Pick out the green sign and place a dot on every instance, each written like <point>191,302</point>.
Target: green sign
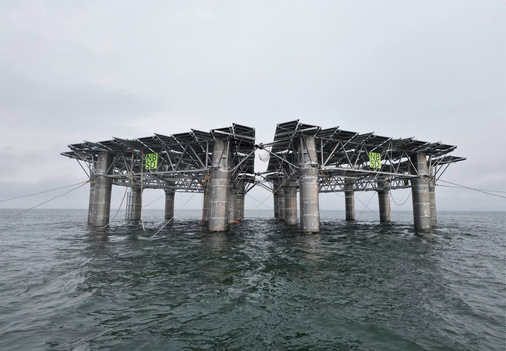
<point>374,160</point>
<point>151,161</point>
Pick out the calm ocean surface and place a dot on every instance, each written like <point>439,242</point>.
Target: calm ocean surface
<point>354,286</point>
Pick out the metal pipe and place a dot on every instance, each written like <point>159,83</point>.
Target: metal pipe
<point>366,171</point>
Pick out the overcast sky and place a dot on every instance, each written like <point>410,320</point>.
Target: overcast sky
<point>74,71</point>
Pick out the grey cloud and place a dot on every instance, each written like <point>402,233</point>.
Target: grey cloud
<point>80,105</point>
<point>432,70</point>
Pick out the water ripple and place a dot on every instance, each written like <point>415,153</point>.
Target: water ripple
<point>262,286</point>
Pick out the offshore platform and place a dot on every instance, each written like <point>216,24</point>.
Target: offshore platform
<point>303,158</point>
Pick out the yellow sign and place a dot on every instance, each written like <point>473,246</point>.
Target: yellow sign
<point>374,160</point>
<point>151,161</point>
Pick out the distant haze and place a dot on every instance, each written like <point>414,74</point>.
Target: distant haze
<point>74,71</point>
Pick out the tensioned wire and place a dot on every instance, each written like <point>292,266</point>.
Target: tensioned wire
<point>41,192</point>
<point>488,192</point>
<point>79,185</point>
<point>131,178</point>
<point>250,211</point>
<point>356,197</point>
<point>45,202</point>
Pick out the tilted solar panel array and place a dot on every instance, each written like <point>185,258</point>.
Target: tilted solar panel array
<point>343,153</point>
<point>183,159</point>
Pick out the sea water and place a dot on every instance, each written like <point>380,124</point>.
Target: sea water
<point>260,286</point>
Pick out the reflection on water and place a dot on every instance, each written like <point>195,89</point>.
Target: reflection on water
<point>354,286</point>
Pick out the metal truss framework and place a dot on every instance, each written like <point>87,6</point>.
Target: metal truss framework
<point>183,161</point>
<point>344,155</point>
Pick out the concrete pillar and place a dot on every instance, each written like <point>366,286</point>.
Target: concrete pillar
<point>384,201</point>
<point>281,203</point>
<point>239,201</point>
<point>207,203</point>
<point>275,196</point>
<point>242,196</point>
<point>420,193</point>
<point>219,186</point>
<point>134,204</point>
<point>432,198</point>
<point>349,198</point>
<point>90,201</point>
<point>308,185</point>
<point>232,201</point>
<point>169,203</point>
<point>100,192</point>
<point>291,204</point>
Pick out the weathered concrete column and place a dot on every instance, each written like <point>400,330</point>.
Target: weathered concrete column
<point>420,193</point>
<point>207,204</point>
<point>291,204</point>
<point>100,192</point>
<point>219,186</point>
<point>90,201</point>
<point>239,201</point>
<point>241,197</point>
<point>349,199</point>
<point>232,201</point>
<point>384,201</point>
<point>169,203</point>
<point>281,203</point>
<point>134,204</point>
<point>432,198</point>
<point>275,197</point>
<point>308,186</point>
<point>275,205</point>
